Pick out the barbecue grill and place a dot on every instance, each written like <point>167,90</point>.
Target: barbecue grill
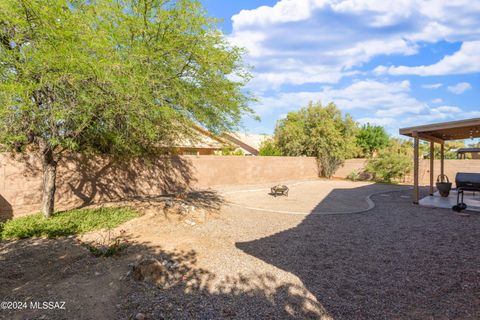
<point>465,182</point>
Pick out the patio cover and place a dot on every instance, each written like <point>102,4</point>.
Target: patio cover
<point>438,133</point>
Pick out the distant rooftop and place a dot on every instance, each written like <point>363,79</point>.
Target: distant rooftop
<point>252,139</point>
<point>468,150</point>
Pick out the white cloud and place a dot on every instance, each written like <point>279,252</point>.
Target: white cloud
<point>282,12</point>
<point>322,41</point>
<point>447,109</point>
<point>389,104</point>
<point>370,95</point>
<point>437,100</point>
<point>432,86</point>
<point>459,88</point>
<point>465,60</point>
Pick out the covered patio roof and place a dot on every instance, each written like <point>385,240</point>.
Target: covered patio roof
<point>438,133</point>
<point>454,130</point>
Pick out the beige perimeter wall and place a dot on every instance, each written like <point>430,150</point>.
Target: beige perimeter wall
<point>85,180</point>
<point>451,169</point>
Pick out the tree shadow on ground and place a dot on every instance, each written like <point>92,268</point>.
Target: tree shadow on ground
<point>100,288</point>
<point>189,292</point>
<point>205,199</point>
<point>397,260</point>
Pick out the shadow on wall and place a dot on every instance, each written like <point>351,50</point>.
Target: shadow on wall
<point>396,261</point>
<point>6,210</point>
<point>88,180</point>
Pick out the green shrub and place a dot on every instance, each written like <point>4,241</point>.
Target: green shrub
<point>108,245</point>
<point>65,223</point>
<point>354,175</point>
<point>231,151</point>
<point>389,167</point>
<point>268,148</point>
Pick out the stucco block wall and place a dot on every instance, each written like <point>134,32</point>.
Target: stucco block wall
<point>228,170</point>
<point>85,180</point>
<point>350,166</point>
<point>451,169</point>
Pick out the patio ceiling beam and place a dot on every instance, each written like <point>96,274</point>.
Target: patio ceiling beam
<point>425,136</point>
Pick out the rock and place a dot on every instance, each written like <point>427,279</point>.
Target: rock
<point>190,222</point>
<point>182,210</point>
<point>153,271</point>
<point>201,215</point>
<point>140,316</point>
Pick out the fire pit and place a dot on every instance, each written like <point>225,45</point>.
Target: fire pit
<point>279,190</point>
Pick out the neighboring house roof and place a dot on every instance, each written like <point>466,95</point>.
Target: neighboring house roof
<point>204,140</point>
<point>468,150</point>
<point>249,142</point>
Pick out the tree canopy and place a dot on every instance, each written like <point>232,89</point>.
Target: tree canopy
<point>117,77</point>
<point>318,131</point>
<point>269,148</point>
<point>372,139</point>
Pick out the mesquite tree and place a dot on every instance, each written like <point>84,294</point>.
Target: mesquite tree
<point>112,77</point>
<point>318,131</point>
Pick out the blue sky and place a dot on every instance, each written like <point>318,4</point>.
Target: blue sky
<point>393,63</point>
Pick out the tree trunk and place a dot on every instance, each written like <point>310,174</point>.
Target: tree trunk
<point>49,177</point>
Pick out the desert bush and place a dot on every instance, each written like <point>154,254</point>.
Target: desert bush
<point>389,167</point>
<point>354,175</point>
<point>108,244</point>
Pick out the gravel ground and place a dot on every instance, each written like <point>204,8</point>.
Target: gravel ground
<point>395,261</point>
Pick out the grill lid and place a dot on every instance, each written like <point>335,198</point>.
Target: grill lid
<point>468,180</point>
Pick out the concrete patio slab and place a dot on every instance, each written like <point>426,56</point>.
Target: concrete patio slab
<point>471,199</point>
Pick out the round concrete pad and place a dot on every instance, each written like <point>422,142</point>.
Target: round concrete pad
<point>307,197</point>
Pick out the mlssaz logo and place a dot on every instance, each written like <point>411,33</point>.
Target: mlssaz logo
<point>47,305</point>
